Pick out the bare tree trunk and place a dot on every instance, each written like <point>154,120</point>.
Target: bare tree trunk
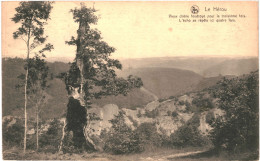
<point>25,112</point>
<point>63,135</point>
<point>25,92</point>
<point>37,127</point>
<point>85,132</point>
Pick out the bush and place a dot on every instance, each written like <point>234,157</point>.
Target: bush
<point>152,114</point>
<point>181,102</point>
<point>210,117</point>
<point>149,135</point>
<point>133,108</point>
<point>188,105</point>
<point>195,120</point>
<point>174,114</point>
<point>187,135</point>
<point>203,103</point>
<point>162,99</point>
<point>49,141</point>
<point>191,108</point>
<point>13,133</point>
<point>121,139</point>
<point>171,97</point>
<point>139,114</point>
<point>68,144</point>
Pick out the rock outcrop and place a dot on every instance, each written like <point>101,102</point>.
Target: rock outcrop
<point>168,116</point>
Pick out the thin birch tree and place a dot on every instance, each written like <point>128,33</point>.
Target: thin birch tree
<point>32,16</point>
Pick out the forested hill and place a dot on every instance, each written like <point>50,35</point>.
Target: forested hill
<point>162,82</point>
<point>205,66</point>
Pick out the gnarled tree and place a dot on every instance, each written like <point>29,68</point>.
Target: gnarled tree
<point>91,75</point>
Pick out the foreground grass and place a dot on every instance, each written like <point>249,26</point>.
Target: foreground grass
<point>152,154</point>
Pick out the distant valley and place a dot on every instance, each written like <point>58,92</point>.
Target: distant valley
<point>162,78</point>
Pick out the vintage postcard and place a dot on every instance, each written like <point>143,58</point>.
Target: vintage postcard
<point>136,80</point>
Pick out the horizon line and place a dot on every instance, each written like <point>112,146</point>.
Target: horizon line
<point>68,59</point>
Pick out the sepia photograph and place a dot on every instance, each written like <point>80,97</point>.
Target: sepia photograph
<point>130,80</point>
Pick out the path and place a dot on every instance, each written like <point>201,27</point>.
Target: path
<point>152,158</point>
<point>170,157</point>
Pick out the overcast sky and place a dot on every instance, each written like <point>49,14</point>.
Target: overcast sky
<point>144,29</point>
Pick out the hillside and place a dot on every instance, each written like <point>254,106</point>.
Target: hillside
<point>232,67</point>
<point>159,82</point>
<point>165,82</point>
<point>56,106</point>
<point>205,66</point>
<point>178,121</point>
<point>209,82</point>
<point>11,97</point>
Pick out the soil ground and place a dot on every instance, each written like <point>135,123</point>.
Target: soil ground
<point>156,154</point>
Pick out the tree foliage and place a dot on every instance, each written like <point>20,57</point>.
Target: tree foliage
<point>37,75</point>
<point>32,16</point>
<point>237,130</point>
<point>92,63</point>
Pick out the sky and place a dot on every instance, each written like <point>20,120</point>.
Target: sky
<point>144,29</point>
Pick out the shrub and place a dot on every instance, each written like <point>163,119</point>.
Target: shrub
<point>162,99</point>
<point>195,120</point>
<point>210,117</point>
<point>121,139</point>
<point>68,144</point>
<point>139,114</point>
<point>174,114</point>
<point>152,114</point>
<point>203,103</point>
<point>13,134</point>
<point>149,135</point>
<point>191,108</point>
<point>171,97</point>
<point>188,105</point>
<point>187,135</point>
<point>181,102</point>
<point>133,108</point>
<point>49,141</point>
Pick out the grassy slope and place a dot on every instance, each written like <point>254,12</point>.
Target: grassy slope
<point>165,82</point>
